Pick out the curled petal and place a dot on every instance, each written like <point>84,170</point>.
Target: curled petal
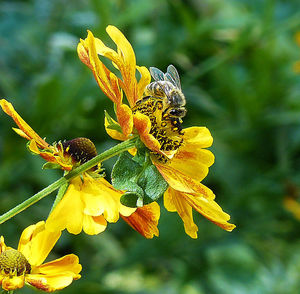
<point>50,283</point>
<point>143,125</point>
<point>101,198</point>
<point>126,211</point>
<point>67,263</point>
<point>24,127</point>
<point>174,203</point>
<point>22,134</point>
<point>145,220</point>
<point>12,283</point>
<point>94,225</point>
<point>126,62</point>
<point>123,60</point>
<point>183,204</point>
<point>211,210</point>
<point>83,53</point>
<point>2,244</point>
<point>107,81</point>
<point>197,137</point>
<point>125,118</point>
<point>36,242</point>
<point>115,134</point>
<point>64,162</point>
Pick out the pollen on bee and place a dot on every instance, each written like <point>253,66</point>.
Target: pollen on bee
<point>165,129</point>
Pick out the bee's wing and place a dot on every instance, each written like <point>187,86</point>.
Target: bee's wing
<point>173,76</point>
<point>157,74</point>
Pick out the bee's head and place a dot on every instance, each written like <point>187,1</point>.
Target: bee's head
<point>176,98</point>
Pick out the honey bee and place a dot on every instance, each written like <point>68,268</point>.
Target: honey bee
<point>167,87</point>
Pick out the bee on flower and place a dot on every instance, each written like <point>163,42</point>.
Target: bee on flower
<point>154,114</point>
<point>24,265</point>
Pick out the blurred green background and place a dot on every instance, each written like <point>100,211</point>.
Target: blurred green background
<point>235,59</point>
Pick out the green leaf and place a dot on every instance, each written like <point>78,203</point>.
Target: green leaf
<point>132,199</point>
<point>111,123</point>
<point>140,178</point>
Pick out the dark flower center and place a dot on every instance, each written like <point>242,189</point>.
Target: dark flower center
<point>13,262</point>
<point>80,149</point>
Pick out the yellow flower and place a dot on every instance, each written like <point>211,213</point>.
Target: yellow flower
<point>25,265</point>
<point>124,60</point>
<point>90,201</point>
<point>179,155</point>
<point>87,205</point>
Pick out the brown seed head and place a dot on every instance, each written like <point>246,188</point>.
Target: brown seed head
<point>14,262</point>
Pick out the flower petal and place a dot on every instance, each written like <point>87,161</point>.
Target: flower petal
<point>68,214</point>
<point>125,118</point>
<point>93,225</point>
<point>197,136</point>
<point>100,197</point>
<point>192,163</point>
<point>173,201</point>
<point>2,244</point>
<point>145,220</point>
<point>21,133</point>
<point>12,283</point>
<point>36,242</point>
<point>67,263</point>
<point>143,125</point>
<point>24,127</point>
<point>183,204</point>
<point>50,283</point>
<point>114,133</point>
<point>88,51</point>
<point>126,211</point>
<point>126,63</point>
<point>144,80</point>
<point>178,180</point>
<point>210,209</point>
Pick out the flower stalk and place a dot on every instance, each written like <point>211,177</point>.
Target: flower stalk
<point>124,146</point>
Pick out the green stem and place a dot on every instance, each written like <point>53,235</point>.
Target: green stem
<point>60,194</point>
<point>64,180</point>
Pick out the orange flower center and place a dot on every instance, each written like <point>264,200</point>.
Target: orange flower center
<point>166,129</point>
<point>13,262</point>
